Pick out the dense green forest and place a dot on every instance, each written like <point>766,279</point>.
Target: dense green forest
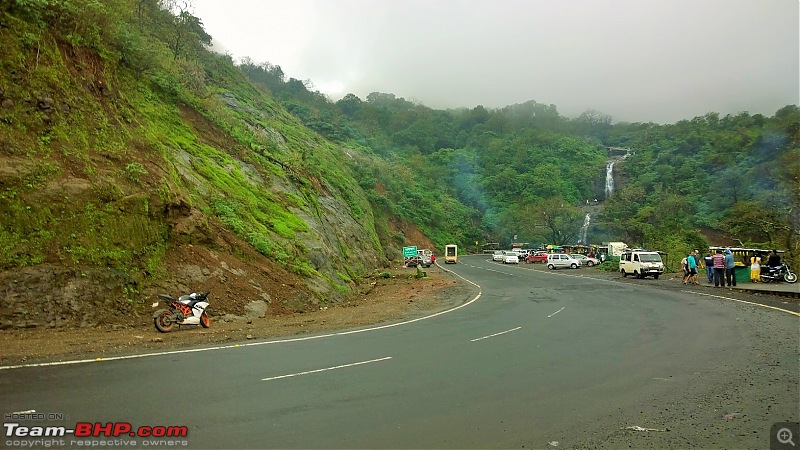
<point>105,90</point>
<point>526,171</point>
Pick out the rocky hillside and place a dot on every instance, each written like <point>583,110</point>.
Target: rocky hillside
<point>131,164</point>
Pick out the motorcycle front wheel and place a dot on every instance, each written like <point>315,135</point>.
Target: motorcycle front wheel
<point>204,322</point>
<point>163,321</point>
<point>790,277</point>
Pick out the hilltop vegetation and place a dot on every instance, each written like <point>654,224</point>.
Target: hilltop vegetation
<point>132,157</point>
<point>526,171</point>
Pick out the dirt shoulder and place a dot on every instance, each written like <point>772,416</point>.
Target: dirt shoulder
<point>379,300</point>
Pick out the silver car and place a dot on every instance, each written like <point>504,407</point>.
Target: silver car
<point>585,260</point>
<point>499,256</point>
<point>425,257</point>
<point>561,260</point>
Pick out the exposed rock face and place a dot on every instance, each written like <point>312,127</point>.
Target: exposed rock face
<point>54,296</point>
<point>336,239</point>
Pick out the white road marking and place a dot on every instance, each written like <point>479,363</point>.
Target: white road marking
<point>496,334</point>
<point>253,344</point>
<point>326,369</point>
<point>749,303</point>
<point>551,315</point>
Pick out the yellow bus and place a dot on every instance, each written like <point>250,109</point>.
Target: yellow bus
<point>450,253</point>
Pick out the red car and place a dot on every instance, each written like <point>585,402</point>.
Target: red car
<point>540,257</point>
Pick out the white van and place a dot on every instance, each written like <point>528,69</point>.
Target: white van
<point>641,264</point>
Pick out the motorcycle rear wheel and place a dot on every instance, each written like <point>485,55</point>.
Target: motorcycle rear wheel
<point>765,279</point>
<point>204,321</point>
<point>164,322</point>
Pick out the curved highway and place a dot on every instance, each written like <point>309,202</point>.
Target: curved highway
<point>538,359</point>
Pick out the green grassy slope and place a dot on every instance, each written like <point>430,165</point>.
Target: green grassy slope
<point>109,140</point>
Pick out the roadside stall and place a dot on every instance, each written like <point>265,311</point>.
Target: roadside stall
<point>742,257</point>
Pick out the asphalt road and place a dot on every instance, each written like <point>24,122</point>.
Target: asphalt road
<point>536,359</point>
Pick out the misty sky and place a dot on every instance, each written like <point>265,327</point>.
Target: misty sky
<point>637,60</point>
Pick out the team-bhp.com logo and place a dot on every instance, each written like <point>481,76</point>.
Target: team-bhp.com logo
<point>97,429</point>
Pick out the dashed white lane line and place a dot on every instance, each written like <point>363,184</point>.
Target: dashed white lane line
<point>551,315</point>
<point>325,369</point>
<point>496,334</point>
<point>749,303</point>
<point>253,344</point>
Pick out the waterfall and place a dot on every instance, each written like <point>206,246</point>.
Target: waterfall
<point>584,229</point>
<point>610,178</point>
<point>610,175</point>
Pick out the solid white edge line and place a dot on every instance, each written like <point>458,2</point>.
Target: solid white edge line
<point>749,303</point>
<point>496,334</point>
<point>551,315</point>
<point>253,344</point>
<point>325,369</point>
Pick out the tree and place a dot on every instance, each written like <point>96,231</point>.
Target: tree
<point>187,30</point>
<point>475,116</point>
<point>558,222</point>
<point>350,105</point>
<point>753,224</point>
<point>594,123</point>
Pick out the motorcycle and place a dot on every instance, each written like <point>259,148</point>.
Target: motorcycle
<point>778,273</point>
<point>187,309</point>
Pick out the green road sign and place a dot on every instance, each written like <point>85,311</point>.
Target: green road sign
<point>408,252</point>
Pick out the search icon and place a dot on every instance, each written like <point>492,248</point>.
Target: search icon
<point>785,436</point>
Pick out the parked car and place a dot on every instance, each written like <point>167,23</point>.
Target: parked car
<point>498,255</point>
<point>511,258</point>
<point>426,257</point>
<point>559,260</point>
<point>537,257</point>
<point>585,260</point>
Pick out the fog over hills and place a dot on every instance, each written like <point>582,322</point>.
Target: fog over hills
<point>659,61</point>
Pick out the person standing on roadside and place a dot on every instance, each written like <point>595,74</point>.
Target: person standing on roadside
<point>691,263</point>
<point>718,262</point>
<point>730,265</point>
<point>755,268</point>
<point>700,264</point>
<point>709,262</point>
<point>685,268</point>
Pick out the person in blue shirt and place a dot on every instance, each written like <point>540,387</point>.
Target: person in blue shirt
<point>691,263</point>
<point>730,273</point>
